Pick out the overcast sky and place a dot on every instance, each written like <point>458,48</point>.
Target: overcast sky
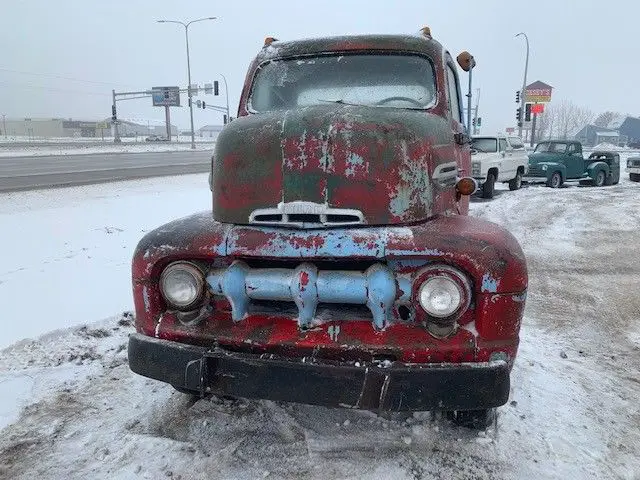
<point>587,50</point>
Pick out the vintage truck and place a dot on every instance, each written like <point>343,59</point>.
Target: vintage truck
<point>633,168</point>
<point>556,162</point>
<point>499,158</point>
<point>338,265</point>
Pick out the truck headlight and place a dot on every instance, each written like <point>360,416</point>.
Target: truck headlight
<point>181,285</point>
<point>445,293</point>
<point>475,168</point>
<point>544,168</point>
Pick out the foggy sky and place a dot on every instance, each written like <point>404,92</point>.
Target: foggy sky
<point>587,50</point>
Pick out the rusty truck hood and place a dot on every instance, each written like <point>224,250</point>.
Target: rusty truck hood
<point>344,162</point>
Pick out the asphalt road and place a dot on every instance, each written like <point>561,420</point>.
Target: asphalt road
<point>26,173</point>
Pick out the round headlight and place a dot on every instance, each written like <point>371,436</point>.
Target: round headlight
<point>181,284</point>
<point>440,296</point>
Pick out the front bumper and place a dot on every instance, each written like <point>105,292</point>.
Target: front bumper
<point>635,170</point>
<point>397,387</point>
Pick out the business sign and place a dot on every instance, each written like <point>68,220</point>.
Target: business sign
<point>537,108</point>
<point>165,96</point>
<point>103,125</point>
<point>538,92</point>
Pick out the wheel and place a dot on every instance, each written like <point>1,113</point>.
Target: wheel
<point>609,180</point>
<point>555,181</point>
<point>516,183</point>
<point>634,177</point>
<point>601,177</point>
<point>476,419</point>
<point>488,186</point>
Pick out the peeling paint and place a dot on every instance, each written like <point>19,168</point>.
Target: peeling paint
<point>489,284</point>
<point>145,298</point>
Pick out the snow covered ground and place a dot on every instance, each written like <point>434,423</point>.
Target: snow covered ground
<point>70,408</point>
<point>37,150</point>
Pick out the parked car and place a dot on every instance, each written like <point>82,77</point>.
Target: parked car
<point>633,168</point>
<point>338,265</point>
<point>498,159</point>
<point>156,138</point>
<point>556,162</point>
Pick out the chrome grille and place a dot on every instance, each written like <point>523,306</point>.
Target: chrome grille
<point>306,215</point>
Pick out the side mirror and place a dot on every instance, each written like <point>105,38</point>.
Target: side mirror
<point>466,61</point>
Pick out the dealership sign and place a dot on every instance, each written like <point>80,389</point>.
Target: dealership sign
<point>538,92</point>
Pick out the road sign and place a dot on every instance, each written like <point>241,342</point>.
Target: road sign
<point>194,89</point>
<point>538,92</point>
<point>208,88</point>
<point>165,96</point>
<point>102,125</point>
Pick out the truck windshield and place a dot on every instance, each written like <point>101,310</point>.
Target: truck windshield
<point>484,145</point>
<point>551,147</point>
<point>400,81</point>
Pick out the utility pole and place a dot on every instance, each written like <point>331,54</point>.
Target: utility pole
<point>226,94</point>
<point>114,119</point>
<point>524,83</point>
<point>189,90</point>
<point>475,124</point>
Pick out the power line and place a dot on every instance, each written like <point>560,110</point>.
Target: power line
<point>52,89</point>
<point>61,77</point>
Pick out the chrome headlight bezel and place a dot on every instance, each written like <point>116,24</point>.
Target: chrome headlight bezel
<point>192,275</point>
<point>443,277</point>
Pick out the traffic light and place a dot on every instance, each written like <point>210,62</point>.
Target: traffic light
<point>527,112</point>
<point>216,87</point>
<point>518,96</point>
<point>114,117</point>
<point>479,121</point>
<point>473,122</point>
<point>204,105</point>
<point>225,120</point>
<point>189,102</point>
<point>519,115</point>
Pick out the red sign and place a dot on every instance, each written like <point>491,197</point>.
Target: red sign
<point>537,108</point>
<point>511,130</point>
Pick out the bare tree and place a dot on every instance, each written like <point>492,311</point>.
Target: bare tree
<point>605,118</point>
<point>566,118</point>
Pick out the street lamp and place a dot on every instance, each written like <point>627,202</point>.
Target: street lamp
<point>226,94</point>
<point>524,84</point>
<point>186,35</point>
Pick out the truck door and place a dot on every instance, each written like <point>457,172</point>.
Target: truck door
<point>462,153</point>
<point>574,161</point>
<point>507,170</point>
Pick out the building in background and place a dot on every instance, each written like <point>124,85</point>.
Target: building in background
<point>66,128</point>
<point>621,130</point>
<point>210,131</point>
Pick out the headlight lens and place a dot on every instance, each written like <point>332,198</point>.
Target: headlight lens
<point>544,168</point>
<point>181,284</point>
<point>440,296</point>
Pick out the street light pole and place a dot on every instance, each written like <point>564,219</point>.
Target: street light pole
<point>226,94</point>
<point>524,85</point>
<point>189,91</point>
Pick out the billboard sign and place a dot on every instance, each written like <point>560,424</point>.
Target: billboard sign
<point>538,92</point>
<point>165,96</point>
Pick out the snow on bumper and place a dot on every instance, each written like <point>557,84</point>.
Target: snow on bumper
<point>392,387</point>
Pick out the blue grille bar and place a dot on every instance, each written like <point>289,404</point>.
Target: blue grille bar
<point>306,286</point>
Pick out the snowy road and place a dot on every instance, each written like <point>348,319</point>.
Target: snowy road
<point>20,173</point>
<point>73,410</point>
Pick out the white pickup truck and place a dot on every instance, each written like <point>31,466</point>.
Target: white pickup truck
<point>499,158</point>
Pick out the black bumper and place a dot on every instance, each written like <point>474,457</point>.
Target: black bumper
<point>400,387</point>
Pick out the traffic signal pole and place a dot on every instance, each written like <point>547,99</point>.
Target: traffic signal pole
<point>114,119</point>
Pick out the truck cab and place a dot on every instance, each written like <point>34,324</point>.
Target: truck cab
<point>499,158</point>
<point>337,265</point>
